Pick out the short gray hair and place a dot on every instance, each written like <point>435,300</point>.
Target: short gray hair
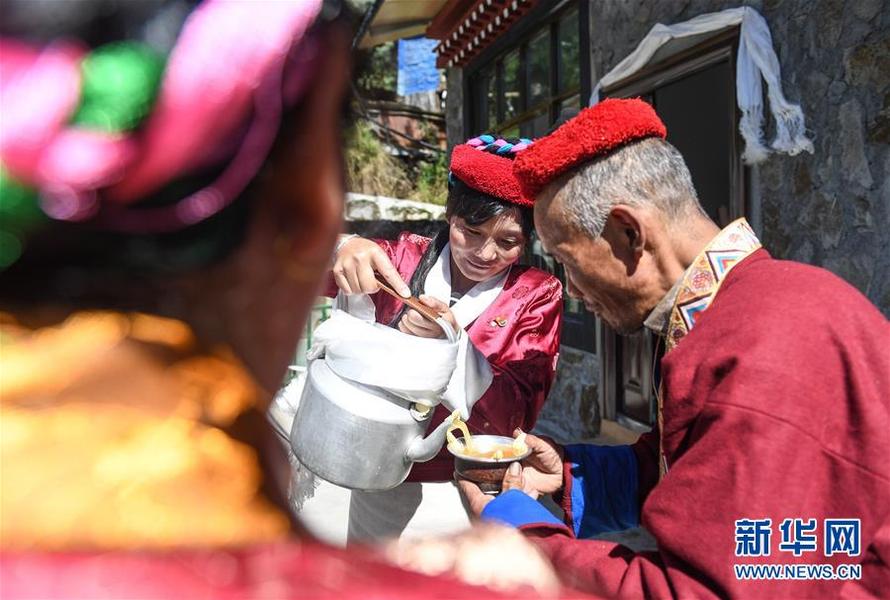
<point>646,173</point>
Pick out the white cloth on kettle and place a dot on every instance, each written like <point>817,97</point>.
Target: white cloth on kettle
<point>416,509</point>
<point>472,373</point>
<point>375,355</point>
<point>439,507</point>
<point>359,349</point>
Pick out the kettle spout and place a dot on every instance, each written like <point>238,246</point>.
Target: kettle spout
<point>423,449</point>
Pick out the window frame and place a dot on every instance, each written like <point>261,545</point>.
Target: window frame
<point>545,16</point>
<point>581,330</point>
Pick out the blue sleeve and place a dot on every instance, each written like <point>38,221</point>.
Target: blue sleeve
<point>602,489</point>
<point>517,509</point>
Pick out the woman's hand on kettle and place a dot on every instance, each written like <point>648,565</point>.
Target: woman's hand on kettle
<point>414,323</point>
<point>356,263</point>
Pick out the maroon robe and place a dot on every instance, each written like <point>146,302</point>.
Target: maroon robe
<point>289,571</point>
<point>522,353</point>
<point>776,405</point>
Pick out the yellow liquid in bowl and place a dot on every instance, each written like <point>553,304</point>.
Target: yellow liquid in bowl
<point>464,446</point>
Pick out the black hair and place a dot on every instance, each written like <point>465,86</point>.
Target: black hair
<point>475,208</point>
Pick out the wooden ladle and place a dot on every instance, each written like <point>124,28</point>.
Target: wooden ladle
<point>410,301</point>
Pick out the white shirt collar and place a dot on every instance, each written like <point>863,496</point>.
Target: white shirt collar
<point>474,302</point>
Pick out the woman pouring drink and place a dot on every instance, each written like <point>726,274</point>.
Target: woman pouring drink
<point>468,274</point>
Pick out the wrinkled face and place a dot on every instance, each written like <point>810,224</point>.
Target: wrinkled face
<point>600,272</point>
<point>482,251</point>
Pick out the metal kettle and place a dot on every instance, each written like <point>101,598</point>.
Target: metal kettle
<point>366,407</point>
<point>358,436</point>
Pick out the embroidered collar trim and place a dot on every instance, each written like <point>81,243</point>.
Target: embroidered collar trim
<point>703,278</point>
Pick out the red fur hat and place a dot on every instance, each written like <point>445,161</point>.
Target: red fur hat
<point>594,132</point>
<point>487,173</point>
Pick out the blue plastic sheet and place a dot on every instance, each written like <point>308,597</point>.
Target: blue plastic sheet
<point>417,66</point>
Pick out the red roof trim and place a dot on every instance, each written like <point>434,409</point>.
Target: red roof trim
<point>463,27</point>
<point>449,17</point>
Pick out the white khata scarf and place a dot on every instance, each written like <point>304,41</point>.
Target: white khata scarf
<point>756,59</point>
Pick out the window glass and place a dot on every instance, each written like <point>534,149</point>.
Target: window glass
<point>480,96</point>
<point>572,102</point>
<point>525,129</point>
<point>517,90</point>
<point>511,132</point>
<point>540,123</point>
<point>537,124</point>
<point>491,99</point>
<point>569,63</point>
<point>511,85</point>
<point>539,68</point>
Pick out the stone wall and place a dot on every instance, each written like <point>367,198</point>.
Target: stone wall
<point>385,218</point>
<point>572,412</point>
<point>830,208</point>
<point>364,207</point>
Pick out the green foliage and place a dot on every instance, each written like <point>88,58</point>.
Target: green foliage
<point>376,70</point>
<point>432,181</point>
<point>370,169</point>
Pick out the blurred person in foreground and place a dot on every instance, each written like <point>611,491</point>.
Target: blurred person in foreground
<point>774,399</point>
<point>169,213</point>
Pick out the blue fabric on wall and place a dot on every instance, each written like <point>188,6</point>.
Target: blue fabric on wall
<point>604,491</point>
<point>516,508</point>
<point>417,70</point>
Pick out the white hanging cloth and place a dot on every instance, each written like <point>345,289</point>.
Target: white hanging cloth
<point>472,374</point>
<point>756,59</point>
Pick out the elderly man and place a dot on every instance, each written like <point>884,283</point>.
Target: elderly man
<point>774,417</point>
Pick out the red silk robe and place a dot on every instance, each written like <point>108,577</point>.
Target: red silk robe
<point>522,351</point>
<point>776,405</point>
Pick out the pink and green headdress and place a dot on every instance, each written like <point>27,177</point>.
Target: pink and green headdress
<point>86,135</point>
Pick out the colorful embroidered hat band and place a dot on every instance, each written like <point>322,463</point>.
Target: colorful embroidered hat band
<point>485,163</point>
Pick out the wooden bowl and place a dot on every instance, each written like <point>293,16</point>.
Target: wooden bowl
<point>487,473</point>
